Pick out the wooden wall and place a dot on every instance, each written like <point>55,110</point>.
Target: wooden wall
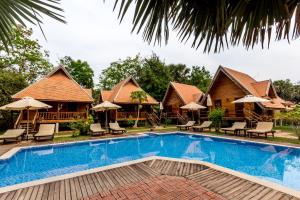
<point>172,101</point>
<point>226,90</point>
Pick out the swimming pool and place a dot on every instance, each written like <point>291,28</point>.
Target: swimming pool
<point>278,164</point>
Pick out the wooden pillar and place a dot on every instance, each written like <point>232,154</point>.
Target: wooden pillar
<point>56,127</point>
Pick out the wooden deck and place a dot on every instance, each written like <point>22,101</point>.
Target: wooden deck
<point>103,183</point>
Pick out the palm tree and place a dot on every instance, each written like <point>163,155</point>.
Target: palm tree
<point>139,97</point>
<point>14,12</point>
<point>214,23</point>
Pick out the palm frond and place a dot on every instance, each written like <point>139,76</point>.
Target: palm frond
<point>214,23</point>
<point>13,12</point>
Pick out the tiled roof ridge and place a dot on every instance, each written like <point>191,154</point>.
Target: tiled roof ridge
<point>50,74</point>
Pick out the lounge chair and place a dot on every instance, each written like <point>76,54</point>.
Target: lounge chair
<point>12,135</point>
<point>262,128</point>
<point>46,131</point>
<point>96,129</point>
<point>115,128</point>
<point>186,126</point>
<point>235,128</point>
<point>204,125</point>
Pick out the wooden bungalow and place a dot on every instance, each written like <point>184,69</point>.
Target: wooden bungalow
<point>69,101</point>
<point>178,95</point>
<point>120,95</point>
<point>229,85</point>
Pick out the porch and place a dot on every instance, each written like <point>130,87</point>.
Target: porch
<point>60,117</point>
<point>125,116</point>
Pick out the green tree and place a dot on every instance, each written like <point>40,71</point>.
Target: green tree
<point>285,89</point>
<point>155,77</point>
<point>179,72</point>
<point>10,83</point>
<point>119,70</point>
<point>297,93</point>
<point>293,117</point>
<point>25,55</point>
<point>215,24</point>
<point>200,77</point>
<point>22,11</point>
<point>79,70</point>
<point>216,116</point>
<point>139,97</point>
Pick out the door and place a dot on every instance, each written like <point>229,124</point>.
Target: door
<point>239,109</point>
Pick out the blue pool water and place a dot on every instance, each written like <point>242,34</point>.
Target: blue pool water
<point>274,163</point>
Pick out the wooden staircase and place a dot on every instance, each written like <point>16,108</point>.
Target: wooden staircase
<point>23,123</point>
<point>153,119</point>
<point>181,119</point>
<point>252,116</point>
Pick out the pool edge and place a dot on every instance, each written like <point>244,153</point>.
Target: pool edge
<point>250,178</point>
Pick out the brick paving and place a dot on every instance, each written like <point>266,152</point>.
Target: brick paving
<point>159,187</point>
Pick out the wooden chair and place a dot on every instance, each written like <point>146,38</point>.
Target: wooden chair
<point>204,125</point>
<point>262,128</point>
<point>186,126</point>
<point>46,131</point>
<point>97,130</point>
<point>115,128</point>
<point>12,135</point>
<point>237,126</point>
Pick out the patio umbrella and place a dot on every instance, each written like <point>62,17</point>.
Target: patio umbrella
<point>27,103</point>
<point>250,99</point>
<point>105,106</point>
<point>192,106</point>
<point>208,101</point>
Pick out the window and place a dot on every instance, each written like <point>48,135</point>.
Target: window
<point>218,103</point>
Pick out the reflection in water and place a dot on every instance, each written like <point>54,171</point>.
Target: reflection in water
<point>278,164</point>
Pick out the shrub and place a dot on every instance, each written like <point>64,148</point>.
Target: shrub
<point>297,131</point>
<point>81,127</point>
<point>216,117</point>
<point>130,123</point>
<point>168,121</point>
<point>293,117</point>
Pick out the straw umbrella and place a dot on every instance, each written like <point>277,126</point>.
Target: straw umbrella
<point>209,102</point>
<point>105,106</point>
<point>161,108</point>
<point>27,103</point>
<point>251,99</point>
<point>192,106</point>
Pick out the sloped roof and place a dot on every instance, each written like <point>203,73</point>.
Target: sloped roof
<point>262,87</point>
<point>122,91</point>
<point>105,95</point>
<point>251,86</point>
<point>58,85</point>
<point>187,93</point>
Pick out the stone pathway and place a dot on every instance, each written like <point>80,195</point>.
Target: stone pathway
<point>159,187</point>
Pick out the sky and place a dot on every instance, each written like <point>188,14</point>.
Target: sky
<point>93,33</point>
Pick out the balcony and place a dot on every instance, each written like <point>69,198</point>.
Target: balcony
<point>124,116</point>
<point>56,117</point>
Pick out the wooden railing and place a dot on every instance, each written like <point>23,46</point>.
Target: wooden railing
<point>61,115</point>
<point>130,115</point>
<point>153,119</point>
<point>34,120</point>
<point>16,125</point>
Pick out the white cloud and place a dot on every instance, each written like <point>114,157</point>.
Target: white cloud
<point>93,33</point>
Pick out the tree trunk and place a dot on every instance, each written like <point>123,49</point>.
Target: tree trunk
<point>137,119</point>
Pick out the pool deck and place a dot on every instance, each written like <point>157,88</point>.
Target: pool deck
<point>156,178</point>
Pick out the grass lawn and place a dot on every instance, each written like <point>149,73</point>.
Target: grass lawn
<point>281,140</point>
<point>67,136</point>
<point>288,129</point>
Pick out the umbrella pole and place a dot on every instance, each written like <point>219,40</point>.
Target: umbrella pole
<point>105,119</point>
<point>27,123</point>
<point>193,114</point>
